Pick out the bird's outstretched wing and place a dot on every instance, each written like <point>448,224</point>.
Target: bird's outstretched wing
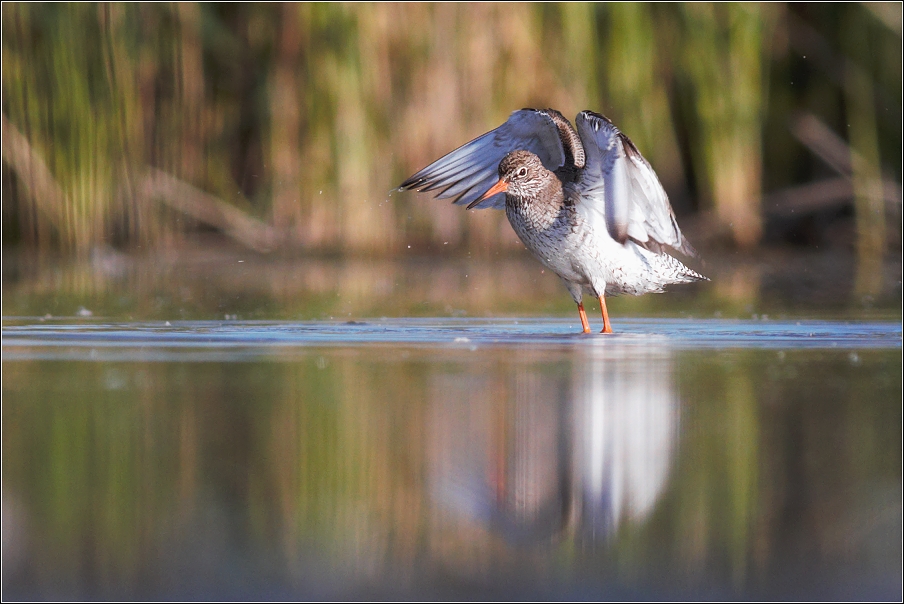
<point>470,171</point>
<point>619,189</point>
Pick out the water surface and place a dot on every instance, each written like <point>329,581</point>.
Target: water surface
<point>451,458</point>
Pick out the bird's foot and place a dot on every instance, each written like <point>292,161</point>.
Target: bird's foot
<point>607,327</point>
<point>585,324</point>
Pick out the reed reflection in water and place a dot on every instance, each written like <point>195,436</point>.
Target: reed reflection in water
<point>386,470</point>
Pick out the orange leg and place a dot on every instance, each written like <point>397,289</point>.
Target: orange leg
<point>607,326</point>
<point>584,323</point>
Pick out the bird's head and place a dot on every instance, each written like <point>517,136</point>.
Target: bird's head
<point>521,174</point>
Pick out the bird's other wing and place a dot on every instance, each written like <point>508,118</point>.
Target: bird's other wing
<point>470,171</point>
<point>619,188</point>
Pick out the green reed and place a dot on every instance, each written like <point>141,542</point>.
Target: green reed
<point>304,117</point>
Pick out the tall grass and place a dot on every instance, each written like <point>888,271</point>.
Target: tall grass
<point>305,116</point>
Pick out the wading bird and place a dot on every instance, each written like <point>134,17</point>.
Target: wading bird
<point>584,202</point>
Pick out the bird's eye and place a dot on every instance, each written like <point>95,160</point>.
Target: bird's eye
<point>522,172</point>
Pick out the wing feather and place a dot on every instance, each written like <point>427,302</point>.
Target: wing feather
<point>619,189</point>
<point>469,171</point>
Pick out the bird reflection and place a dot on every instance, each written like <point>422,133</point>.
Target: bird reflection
<point>534,450</point>
<point>625,422</point>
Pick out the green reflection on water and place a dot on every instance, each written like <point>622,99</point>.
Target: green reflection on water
<point>384,469</point>
<point>199,283</point>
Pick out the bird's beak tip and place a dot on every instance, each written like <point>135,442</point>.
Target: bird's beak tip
<point>500,187</point>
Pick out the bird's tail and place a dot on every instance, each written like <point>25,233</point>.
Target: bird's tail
<point>674,271</point>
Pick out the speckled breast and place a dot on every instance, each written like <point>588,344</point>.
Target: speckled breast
<point>554,236</point>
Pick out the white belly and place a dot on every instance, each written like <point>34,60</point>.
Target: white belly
<point>567,245</point>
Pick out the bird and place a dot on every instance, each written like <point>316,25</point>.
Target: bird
<point>583,200</point>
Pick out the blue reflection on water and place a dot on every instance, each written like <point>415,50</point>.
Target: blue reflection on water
<point>240,340</point>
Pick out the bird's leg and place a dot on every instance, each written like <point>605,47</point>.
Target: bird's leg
<point>607,327</point>
<point>585,324</point>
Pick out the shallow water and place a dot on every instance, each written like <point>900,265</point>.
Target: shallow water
<point>451,458</point>
<point>30,338</point>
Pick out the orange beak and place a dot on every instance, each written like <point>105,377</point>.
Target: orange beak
<point>499,187</point>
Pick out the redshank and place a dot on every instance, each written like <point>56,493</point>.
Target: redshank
<point>585,202</point>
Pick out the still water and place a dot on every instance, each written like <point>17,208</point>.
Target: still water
<point>451,458</point>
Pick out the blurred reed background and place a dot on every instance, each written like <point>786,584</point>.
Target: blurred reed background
<point>285,126</point>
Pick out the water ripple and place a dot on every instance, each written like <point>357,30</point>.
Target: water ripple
<point>27,339</point>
